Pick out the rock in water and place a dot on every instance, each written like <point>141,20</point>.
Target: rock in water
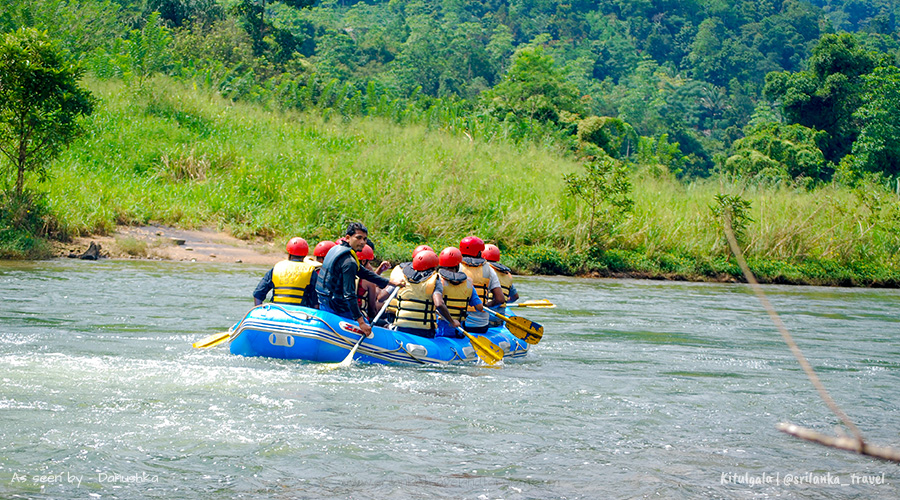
<point>92,253</point>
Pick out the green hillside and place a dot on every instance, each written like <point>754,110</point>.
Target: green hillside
<point>582,137</point>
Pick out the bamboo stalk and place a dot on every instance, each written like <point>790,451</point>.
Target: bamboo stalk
<point>857,443</point>
<point>841,443</point>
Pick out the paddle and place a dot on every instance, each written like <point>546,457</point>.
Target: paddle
<point>349,359</point>
<point>523,328</point>
<point>218,338</point>
<point>488,351</point>
<point>532,303</point>
<point>212,341</point>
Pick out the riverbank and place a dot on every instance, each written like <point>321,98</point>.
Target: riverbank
<point>156,242</point>
<point>159,242</point>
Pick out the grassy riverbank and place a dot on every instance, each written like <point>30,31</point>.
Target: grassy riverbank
<point>180,156</point>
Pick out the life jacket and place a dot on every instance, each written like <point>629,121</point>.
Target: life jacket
<point>456,293</point>
<point>312,261</point>
<point>397,277</point>
<point>362,296</point>
<point>480,274</point>
<point>413,304</point>
<point>504,274</point>
<point>290,279</point>
<point>328,281</point>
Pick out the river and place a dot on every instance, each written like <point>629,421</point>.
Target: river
<point>638,389</point>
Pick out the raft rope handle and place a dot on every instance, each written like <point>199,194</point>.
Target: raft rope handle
<point>307,318</point>
<point>236,329</point>
<point>400,346</point>
<point>455,355</point>
<point>379,351</point>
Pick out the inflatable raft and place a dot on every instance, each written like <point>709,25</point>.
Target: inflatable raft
<point>292,332</point>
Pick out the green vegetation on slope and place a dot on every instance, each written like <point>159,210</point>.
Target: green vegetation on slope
<point>432,120</point>
<point>178,155</point>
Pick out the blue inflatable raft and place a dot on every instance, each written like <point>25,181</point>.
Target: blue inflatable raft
<point>292,332</point>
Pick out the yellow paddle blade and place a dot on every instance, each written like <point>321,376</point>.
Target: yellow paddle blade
<point>488,351</point>
<point>525,329</point>
<point>212,341</point>
<point>533,303</point>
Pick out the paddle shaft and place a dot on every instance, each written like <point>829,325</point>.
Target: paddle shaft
<point>384,307</point>
<point>532,303</point>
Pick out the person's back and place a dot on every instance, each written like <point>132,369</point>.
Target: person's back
<point>453,294</point>
<point>413,307</point>
<point>484,279</point>
<point>491,254</point>
<point>294,283</point>
<point>293,280</point>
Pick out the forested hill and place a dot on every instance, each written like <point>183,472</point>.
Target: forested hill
<point>690,71</point>
<point>605,136</point>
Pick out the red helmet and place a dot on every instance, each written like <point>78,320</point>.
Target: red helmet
<point>425,260</point>
<point>366,253</point>
<point>420,248</point>
<point>297,247</point>
<point>471,246</point>
<point>323,247</point>
<point>450,256</point>
<point>491,253</point>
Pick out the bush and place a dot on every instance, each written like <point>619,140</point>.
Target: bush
<point>24,219</point>
<point>540,260</point>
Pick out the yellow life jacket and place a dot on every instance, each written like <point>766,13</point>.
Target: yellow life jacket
<point>396,276</point>
<point>505,276</point>
<point>456,294</point>
<point>481,279</point>
<point>312,261</point>
<point>414,304</point>
<point>290,279</point>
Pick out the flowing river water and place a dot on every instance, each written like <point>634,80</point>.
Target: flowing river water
<point>638,389</point>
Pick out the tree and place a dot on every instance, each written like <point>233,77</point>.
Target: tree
<point>878,147</point>
<point>775,150</point>
<point>534,88</point>
<point>614,136</point>
<point>40,101</point>
<point>148,49</point>
<point>826,96</point>
<point>263,34</point>
<point>605,188</point>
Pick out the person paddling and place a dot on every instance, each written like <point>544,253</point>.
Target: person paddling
<point>484,279</point>
<point>366,291</point>
<point>413,306</point>
<point>453,293</point>
<point>293,280</point>
<point>336,286</point>
<point>491,254</point>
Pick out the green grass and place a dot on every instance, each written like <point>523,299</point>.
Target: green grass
<point>182,156</point>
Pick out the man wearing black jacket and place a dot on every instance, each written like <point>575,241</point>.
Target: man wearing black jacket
<point>336,285</point>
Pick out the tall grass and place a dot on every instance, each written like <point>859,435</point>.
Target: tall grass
<point>178,155</point>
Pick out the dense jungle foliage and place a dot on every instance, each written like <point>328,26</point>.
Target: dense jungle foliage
<point>740,100</point>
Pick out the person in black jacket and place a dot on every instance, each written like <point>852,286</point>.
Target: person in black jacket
<point>336,285</point>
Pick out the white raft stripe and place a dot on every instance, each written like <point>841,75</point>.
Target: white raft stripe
<point>320,334</point>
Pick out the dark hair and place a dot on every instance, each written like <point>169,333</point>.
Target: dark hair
<point>356,227</point>
<point>370,243</point>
